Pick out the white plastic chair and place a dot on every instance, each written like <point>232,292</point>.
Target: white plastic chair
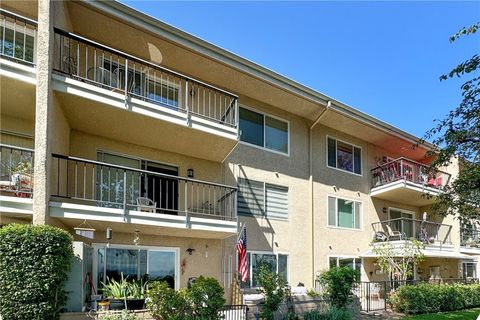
<point>146,205</point>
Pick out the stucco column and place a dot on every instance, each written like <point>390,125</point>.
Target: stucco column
<point>43,112</point>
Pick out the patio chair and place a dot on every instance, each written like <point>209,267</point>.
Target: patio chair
<point>394,234</point>
<point>146,205</point>
<point>375,290</point>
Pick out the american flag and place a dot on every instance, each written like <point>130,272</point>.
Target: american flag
<point>242,255</point>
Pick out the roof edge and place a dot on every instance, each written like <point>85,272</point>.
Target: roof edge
<point>167,31</point>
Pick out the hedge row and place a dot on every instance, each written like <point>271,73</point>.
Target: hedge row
<point>34,264</point>
<point>431,298</point>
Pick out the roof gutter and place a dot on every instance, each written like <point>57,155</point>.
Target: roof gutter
<point>310,169</point>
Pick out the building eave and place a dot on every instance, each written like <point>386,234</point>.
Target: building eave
<point>196,44</point>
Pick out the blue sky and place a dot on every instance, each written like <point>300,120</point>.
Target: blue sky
<point>383,58</point>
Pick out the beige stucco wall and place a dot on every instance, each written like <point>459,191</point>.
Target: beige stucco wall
<point>206,260</point>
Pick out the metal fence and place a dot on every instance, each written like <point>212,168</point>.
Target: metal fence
<point>470,237</point>
<point>235,312</point>
<point>374,296</point>
<point>17,37</point>
<point>114,186</point>
<point>118,71</point>
<point>412,171</point>
<point>428,232</point>
<point>16,171</point>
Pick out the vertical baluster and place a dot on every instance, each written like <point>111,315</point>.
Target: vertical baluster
<point>95,64</point>
<point>76,178</point>
<point>186,96</point>
<point>14,37</point>
<point>68,194</point>
<point>84,181</point>
<point>78,58</point>
<point>124,189</point>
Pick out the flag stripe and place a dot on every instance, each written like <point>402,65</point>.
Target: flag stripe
<point>242,255</point>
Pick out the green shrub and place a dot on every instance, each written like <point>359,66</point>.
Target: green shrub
<point>330,314</point>
<point>431,298</point>
<point>273,288</point>
<point>204,300</point>
<point>125,315</point>
<point>339,283</point>
<point>206,297</point>
<point>164,302</point>
<point>34,265</point>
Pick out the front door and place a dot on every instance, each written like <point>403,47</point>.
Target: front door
<point>162,190</point>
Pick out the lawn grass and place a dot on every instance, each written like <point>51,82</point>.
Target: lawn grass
<point>457,315</point>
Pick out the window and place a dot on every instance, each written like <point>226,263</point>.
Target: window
<point>354,263</point>
<point>344,213</point>
<point>259,198</point>
<point>344,156</point>
<point>276,263</point>
<point>143,84</point>
<point>264,131</point>
<point>17,41</point>
<point>469,270</point>
<point>136,263</point>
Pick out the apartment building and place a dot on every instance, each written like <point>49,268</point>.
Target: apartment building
<point>154,147</point>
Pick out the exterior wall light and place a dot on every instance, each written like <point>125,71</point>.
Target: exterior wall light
<point>190,173</point>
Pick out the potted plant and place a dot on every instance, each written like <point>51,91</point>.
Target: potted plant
<point>135,295</point>
<point>116,293</point>
<point>124,294</point>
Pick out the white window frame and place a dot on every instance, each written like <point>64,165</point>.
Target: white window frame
<point>160,81</point>
<point>264,131</point>
<point>402,211</point>
<point>264,209</point>
<point>475,267</point>
<point>336,167</point>
<point>337,257</point>
<point>250,274</point>
<point>336,213</point>
<point>97,246</point>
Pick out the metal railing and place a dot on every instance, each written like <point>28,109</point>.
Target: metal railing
<point>428,232</point>
<point>108,185</point>
<point>408,170</point>
<point>470,237</point>
<point>17,37</point>
<point>118,71</point>
<point>374,295</point>
<point>234,312</point>
<point>16,171</point>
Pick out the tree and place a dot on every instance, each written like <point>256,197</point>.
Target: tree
<point>457,136</point>
<point>274,288</point>
<point>399,260</point>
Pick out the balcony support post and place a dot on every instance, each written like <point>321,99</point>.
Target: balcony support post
<point>44,123</point>
<point>185,196</point>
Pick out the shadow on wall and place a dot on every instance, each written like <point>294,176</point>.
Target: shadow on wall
<point>259,229</point>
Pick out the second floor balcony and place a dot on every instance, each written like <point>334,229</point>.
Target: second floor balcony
<point>83,189</point>
<point>470,238</point>
<point>407,181</point>
<point>91,76</point>
<point>403,229</point>
<point>16,181</point>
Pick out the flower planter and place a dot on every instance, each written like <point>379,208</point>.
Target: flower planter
<point>117,304</point>
<point>135,304</point>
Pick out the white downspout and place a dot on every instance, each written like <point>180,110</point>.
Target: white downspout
<point>310,169</point>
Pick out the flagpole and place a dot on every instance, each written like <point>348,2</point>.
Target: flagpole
<point>240,232</point>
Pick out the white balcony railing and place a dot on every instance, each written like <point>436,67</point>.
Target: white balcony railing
<point>17,37</point>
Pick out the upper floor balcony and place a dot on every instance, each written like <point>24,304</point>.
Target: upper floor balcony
<point>16,181</point>
<point>91,76</point>
<point>401,229</point>
<point>470,238</point>
<point>407,181</point>
<point>97,191</point>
